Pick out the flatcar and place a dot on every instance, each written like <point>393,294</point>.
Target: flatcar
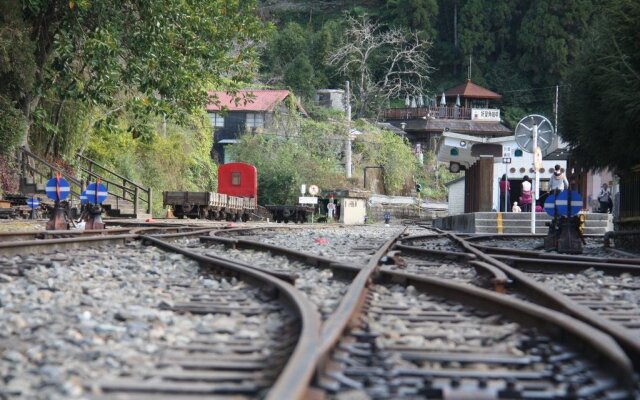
<point>236,198</point>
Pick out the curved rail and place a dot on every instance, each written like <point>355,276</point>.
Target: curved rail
<point>551,256</point>
<point>560,302</point>
<point>294,380</point>
<point>523,312</point>
<point>351,302</point>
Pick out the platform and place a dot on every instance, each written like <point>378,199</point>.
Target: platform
<point>494,222</point>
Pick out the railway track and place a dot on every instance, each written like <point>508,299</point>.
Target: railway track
<point>419,336</point>
<point>378,313</point>
<point>176,324</point>
<point>550,280</point>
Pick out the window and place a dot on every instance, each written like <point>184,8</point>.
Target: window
<point>518,153</point>
<point>254,120</point>
<point>454,152</point>
<point>235,178</point>
<point>217,120</point>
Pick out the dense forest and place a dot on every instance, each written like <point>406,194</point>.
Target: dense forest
<point>126,82</point>
<point>521,49</point>
<point>583,53</point>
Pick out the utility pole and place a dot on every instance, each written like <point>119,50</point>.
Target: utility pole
<point>555,110</point>
<point>348,144</point>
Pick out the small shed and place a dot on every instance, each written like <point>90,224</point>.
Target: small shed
<point>455,196</point>
<point>351,204</point>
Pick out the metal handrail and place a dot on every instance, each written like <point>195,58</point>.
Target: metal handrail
<point>137,192</point>
<point>25,165</point>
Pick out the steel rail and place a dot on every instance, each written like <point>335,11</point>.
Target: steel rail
<point>32,235</point>
<point>313,259</point>
<point>499,278</point>
<point>501,236</point>
<point>408,238</point>
<point>553,322</point>
<point>560,302</point>
<point>351,302</point>
<point>551,256</point>
<point>441,253</point>
<point>549,265</point>
<point>293,382</point>
<point>40,246</point>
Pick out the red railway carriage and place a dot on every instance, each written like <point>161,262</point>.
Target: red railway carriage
<point>238,179</point>
<point>235,199</point>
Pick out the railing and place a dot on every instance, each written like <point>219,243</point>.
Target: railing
<point>41,171</point>
<point>437,112</point>
<point>124,189</point>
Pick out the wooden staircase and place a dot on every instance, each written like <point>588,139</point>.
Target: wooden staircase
<point>126,199</point>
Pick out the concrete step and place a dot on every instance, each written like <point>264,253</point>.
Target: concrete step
<point>492,223</point>
<point>527,216</point>
<point>539,230</point>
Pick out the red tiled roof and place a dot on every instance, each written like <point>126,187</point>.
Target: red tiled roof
<point>472,91</point>
<point>250,100</point>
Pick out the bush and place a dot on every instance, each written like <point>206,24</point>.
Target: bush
<point>12,127</point>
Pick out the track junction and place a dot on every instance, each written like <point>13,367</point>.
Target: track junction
<point>213,310</point>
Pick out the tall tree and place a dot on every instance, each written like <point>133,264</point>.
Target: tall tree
<point>414,14</point>
<point>601,115</point>
<point>381,64</point>
<point>548,36</point>
<point>159,56</point>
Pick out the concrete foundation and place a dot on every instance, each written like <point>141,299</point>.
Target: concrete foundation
<point>494,222</point>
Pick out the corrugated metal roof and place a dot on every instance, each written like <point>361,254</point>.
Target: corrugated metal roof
<point>472,91</point>
<point>250,100</point>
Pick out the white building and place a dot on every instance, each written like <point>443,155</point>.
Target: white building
<point>460,151</point>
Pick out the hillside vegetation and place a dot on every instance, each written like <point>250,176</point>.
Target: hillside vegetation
<point>125,83</point>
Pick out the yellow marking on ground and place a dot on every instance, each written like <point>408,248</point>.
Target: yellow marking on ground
<point>499,221</point>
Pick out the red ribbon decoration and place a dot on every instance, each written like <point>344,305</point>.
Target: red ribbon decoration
<point>58,175</point>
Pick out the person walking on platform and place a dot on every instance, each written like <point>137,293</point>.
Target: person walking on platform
<point>558,182</point>
<point>505,187</point>
<point>525,197</point>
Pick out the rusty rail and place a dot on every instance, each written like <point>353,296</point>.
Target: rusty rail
<point>293,382</point>
<point>560,302</point>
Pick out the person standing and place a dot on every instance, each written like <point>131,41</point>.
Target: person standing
<point>604,198</point>
<point>331,210</point>
<point>505,187</point>
<point>525,197</point>
<point>558,182</point>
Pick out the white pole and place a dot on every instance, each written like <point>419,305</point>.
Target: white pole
<point>537,181</point>
<point>348,144</point>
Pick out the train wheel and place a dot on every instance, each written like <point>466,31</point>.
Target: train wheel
<point>179,212</point>
<point>245,217</point>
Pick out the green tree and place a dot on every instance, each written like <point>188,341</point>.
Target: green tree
<point>378,147</point>
<point>151,56</point>
<point>414,14</point>
<point>601,115</point>
<point>475,25</point>
<point>286,162</point>
<point>548,37</point>
<point>298,76</point>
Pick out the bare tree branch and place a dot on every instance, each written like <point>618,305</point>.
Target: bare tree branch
<point>401,59</point>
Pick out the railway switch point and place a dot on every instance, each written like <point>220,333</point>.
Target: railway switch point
<point>58,219</point>
<point>94,218</point>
